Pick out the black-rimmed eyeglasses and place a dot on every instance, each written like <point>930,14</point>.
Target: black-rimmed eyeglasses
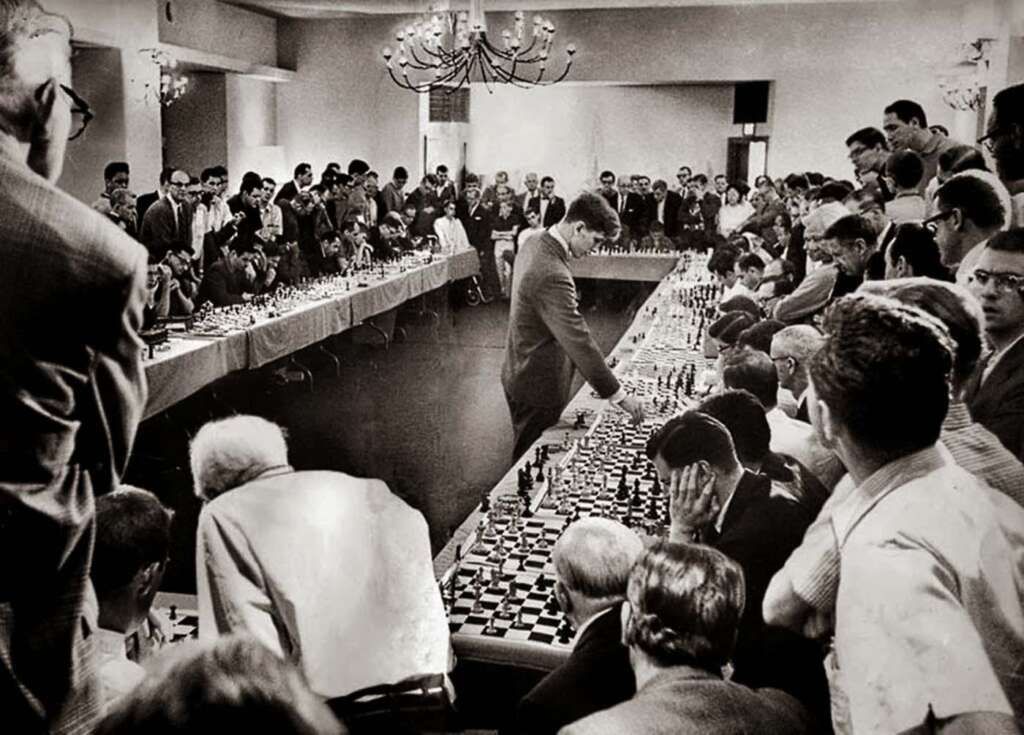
<point>80,109</point>
<point>932,223</point>
<point>989,139</point>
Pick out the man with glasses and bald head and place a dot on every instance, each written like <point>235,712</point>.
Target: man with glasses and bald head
<point>72,388</point>
<point>167,224</point>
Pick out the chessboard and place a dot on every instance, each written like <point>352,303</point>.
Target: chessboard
<point>183,623</point>
<point>499,591</point>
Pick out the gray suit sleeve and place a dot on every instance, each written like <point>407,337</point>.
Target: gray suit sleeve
<point>556,304</point>
<point>810,297</point>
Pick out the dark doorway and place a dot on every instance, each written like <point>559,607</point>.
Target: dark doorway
<point>745,156</point>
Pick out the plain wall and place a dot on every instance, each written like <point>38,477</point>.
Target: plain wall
<point>195,127</point>
<point>96,76</point>
<point>251,126</point>
<point>219,28</point>
<point>574,132</point>
<point>833,66</point>
<point>343,105</point>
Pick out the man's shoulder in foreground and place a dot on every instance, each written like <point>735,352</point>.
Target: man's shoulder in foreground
<point>39,222</point>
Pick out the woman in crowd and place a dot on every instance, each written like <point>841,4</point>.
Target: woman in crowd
<point>734,211</point>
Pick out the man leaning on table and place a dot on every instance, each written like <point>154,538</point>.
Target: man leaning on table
<point>547,335</point>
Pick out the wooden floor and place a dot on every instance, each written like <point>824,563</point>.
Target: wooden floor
<point>428,416</point>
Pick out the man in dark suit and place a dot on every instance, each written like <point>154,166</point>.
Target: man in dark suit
<point>665,208</point>
<point>547,335</point>
<point>713,499</point>
<point>145,201</point>
<point>72,386</point>
<point>247,203</point>
<point>592,561</point>
<point>608,190</point>
<point>636,211</point>
<point>303,180</point>
<point>167,225</point>
<point>995,395</point>
<point>550,207</point>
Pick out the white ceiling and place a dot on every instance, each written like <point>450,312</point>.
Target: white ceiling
<point>354,8</point>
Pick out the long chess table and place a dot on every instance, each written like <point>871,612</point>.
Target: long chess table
<point>249,337</point>
<point>496,575</point>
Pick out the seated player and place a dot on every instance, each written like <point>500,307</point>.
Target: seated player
<point>680,620</point>
<point>716,500</point>
<point>233,685</point>
<point>750,268</point>
<point>230,280</point>
<point>592,562</point>
<point>389,240</point>
<point>334,256</point>
<point>329,570</point>
<point>133,537</point>
<point>754,371</point>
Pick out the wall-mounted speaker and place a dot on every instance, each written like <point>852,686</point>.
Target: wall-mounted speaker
<point>750,104</point>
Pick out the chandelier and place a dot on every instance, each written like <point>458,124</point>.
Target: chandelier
<point>964,87</point>
<point>445,49</point>
<point>173,82</point>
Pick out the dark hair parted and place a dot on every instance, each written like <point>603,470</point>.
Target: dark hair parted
<point>754,371</point>
<point>685,602</point>
<point>595,213</point>
<point>884,371</point>
<point>133,530</point>
<point>692,437</point>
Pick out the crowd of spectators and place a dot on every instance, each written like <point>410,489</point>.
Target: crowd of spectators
<point>846,537</point>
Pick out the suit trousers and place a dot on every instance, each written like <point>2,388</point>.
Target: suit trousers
<point>529,422</point>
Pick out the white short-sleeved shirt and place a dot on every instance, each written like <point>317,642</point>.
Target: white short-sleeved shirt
<point>929,612</point>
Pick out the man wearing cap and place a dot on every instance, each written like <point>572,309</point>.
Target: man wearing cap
<point>815,291</point>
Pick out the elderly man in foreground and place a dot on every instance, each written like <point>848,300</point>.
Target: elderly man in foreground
<point>592,559</point>
<point>329,570</point>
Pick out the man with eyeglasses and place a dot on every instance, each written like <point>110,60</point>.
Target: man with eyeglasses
<point>970,207</point>
<point>167,225</point>
<point>995,395</point>
<point>1004,138</point>
<point>72,386</point>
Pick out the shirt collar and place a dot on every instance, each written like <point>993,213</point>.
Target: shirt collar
<point>111,643</point>
<point>957,417</point>
<point>590,621</point>
<point>882,482</point>
<point>553,231</point>
<point>996,357</point>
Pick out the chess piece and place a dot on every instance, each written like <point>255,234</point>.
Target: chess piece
<point>173,614</point>
<point>564,632</point>
<point>518,623</point>
<point>478,606</point>
<point>489,628</point>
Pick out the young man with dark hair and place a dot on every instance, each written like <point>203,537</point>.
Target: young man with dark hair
<point>903,172</point>
<point>906,127</point>
<point>971,207</point>
<point>868,150</point>
<point>665,210</point>
<point>879,396</point>
<point>116,175</point>
<point>1004,137</point>
<point>547,334</point>
<point>996,393</point>
<point>247,203</point>
<point>550,206</point>
<point>750,268</point>
<point>133,539</point>
<point>716,501</point>
<point>303,179</point>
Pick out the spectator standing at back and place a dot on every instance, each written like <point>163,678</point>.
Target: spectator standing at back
<point>1004,137</point>
<point>903,172</point>
<point>906,127</point>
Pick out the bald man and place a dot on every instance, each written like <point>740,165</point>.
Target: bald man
<point>592,561</point>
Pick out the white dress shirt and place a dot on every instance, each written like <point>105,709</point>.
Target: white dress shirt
<point>118,675</point>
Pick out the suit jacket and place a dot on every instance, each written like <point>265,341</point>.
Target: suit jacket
<point>423,225</point>
<point>72,392</point>
<point>220,286</point>
<point>612,198</point>
<point>144,202</point>
<point>523,199</point>
<point>710,204</point>
<point>160,233</point>
<point>759,532</point>
<point>547,335</point>
<point>597,675</point>
<point>286,193</point>
<point>477,225</point>
<point>998,403</point>
<point>555,211</point>
<point>636,213</point>
<point>672,204</point>
<point>687,701</point>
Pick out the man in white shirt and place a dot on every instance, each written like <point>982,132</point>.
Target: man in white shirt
<point>133,536</point>
<point>328,570</point>
<point>270,213</point>
<point>929,633</point>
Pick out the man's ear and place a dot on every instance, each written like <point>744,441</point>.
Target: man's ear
<point>562,597</point>
<point>827,428</point>
<point>147,579</point>
<point>956,219</point>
